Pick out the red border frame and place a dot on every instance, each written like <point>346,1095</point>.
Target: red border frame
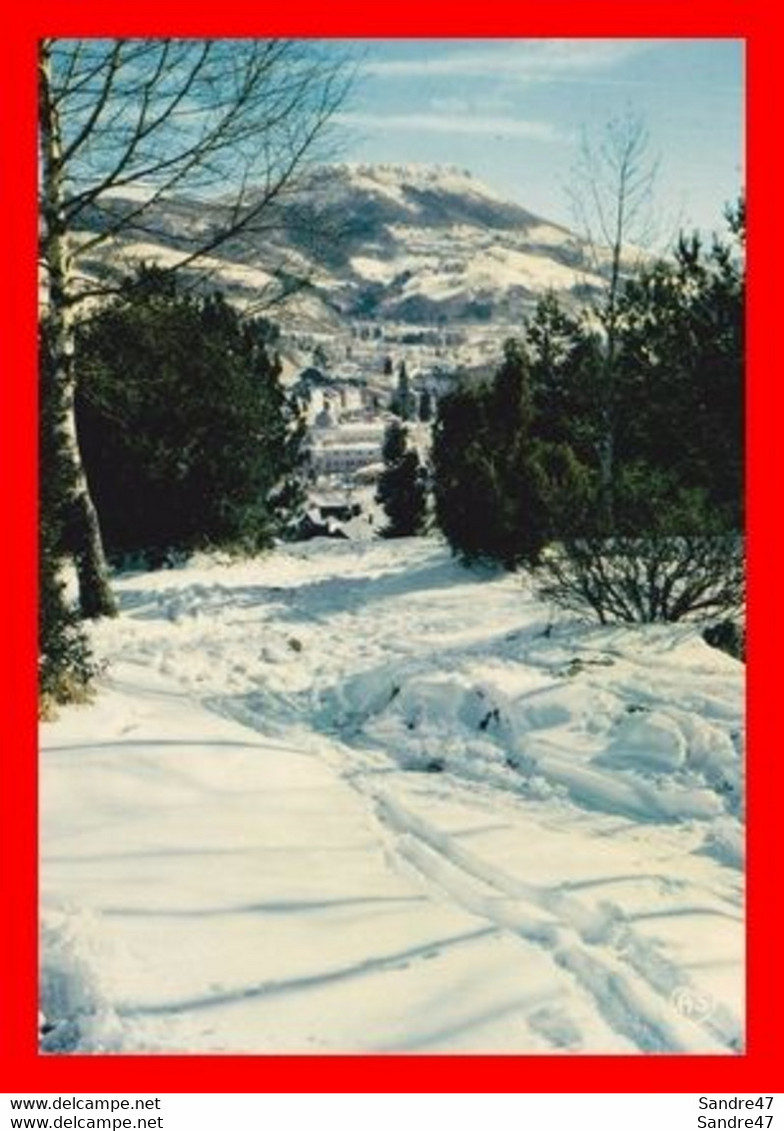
<point>22,1069</point>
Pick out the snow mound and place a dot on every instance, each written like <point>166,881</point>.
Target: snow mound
<point>75,1012</point>
<point>725,842</point>
<point>651,742</point>
<point>592,728</point>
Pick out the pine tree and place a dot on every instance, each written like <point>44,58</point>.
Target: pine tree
<point>488,481</point>
<point>426,407</point>
<point>184,426</point>
<point>676,547</point>
<point>565,364</point>
<point>401,401</point>
<point>681,371</point>
<point>401,488</point>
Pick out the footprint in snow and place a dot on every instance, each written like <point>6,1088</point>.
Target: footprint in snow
<point>556,1027</point>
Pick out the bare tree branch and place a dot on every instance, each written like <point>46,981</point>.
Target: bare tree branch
<point>126,123</point>
<point>611,194</point>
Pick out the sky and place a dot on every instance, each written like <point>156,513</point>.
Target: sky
<point>512,112</point>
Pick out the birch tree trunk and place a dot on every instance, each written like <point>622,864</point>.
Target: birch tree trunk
<point>95,595</point>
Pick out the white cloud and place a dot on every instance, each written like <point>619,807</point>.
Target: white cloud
<point>519,60</point>
<point>452,124</point>
<point>487,102</point>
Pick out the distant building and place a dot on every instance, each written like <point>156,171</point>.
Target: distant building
<point>340,395</point>
<point>344,448</point>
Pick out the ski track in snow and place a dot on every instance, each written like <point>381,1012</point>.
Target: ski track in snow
<point>535,826</point>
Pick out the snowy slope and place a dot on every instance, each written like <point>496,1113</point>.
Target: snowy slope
<point>352,797</point>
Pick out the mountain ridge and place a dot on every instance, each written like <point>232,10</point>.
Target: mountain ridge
<point>420,244</point>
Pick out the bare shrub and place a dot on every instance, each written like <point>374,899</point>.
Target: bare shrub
<point>651,577</point>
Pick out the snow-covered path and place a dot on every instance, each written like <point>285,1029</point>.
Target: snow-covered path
<point>353,798</point>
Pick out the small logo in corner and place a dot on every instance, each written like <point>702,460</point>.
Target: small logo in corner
<point>694,1004</point>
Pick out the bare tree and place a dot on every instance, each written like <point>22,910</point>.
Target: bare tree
<point>611,195</point>
<point>126,123</point>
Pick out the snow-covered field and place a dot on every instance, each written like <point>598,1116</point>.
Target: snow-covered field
<point>352,797</point>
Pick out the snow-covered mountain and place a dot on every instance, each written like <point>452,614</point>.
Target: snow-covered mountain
<point>420,244</point>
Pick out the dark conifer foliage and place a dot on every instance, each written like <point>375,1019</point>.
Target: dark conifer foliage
<point>401,489</point>
<point>681,372</point>
<point>488,480</point>
<point>186,434</point>
<point>402,399</point>
<point>565,371</point>
<point>520,464</point>
<point>426,410</point>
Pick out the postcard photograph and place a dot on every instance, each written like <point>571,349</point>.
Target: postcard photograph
<point>392,556</point>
